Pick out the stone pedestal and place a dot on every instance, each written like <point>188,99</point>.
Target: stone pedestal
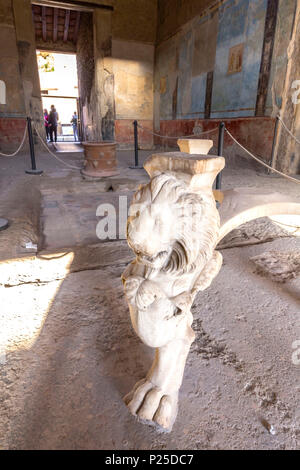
<point>100,159</point>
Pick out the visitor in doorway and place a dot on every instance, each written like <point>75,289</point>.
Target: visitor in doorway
<point>74,122</point>
<point>46,123</point>
<point>53,120</point>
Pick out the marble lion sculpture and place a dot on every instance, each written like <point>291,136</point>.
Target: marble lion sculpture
<point>173,229</point>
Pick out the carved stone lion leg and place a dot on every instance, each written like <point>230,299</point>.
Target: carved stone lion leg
<point>155,398</point>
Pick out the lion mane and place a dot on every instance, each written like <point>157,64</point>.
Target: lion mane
<point>195,236</point>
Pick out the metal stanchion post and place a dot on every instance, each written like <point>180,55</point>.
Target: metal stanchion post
<point>220,152</point>
<point>33,170</point>
<point>136,147</point>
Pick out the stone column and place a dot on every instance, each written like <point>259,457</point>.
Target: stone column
<point>104,78</point>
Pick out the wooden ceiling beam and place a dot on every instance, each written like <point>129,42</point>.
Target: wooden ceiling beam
<point>76,27</point>
<point>66,5</point>
<point>44,24</point>
<point>55,17</point>
<point>67,22</point>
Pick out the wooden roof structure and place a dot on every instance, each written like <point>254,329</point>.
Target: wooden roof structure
<point>55,24</point>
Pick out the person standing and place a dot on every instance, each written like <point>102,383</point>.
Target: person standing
<point>74,122</point>
<point>53,120</point>
<point>46,123</point>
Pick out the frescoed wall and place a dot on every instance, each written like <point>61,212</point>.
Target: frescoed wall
<point>227,62</point>
<point>227,43</point>
<point>235,90</point>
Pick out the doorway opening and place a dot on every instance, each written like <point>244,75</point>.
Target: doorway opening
<point>59,89</point>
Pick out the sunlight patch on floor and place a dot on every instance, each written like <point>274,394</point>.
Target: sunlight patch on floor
<point>27,290</point>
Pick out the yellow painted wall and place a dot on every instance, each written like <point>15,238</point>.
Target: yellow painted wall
<point>133,74</point>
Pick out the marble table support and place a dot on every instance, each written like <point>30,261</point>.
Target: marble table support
<point>173,229</point>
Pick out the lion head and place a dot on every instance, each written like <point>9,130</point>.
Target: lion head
<point>170,227</point>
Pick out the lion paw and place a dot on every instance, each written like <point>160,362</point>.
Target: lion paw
<point>150,403</point>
